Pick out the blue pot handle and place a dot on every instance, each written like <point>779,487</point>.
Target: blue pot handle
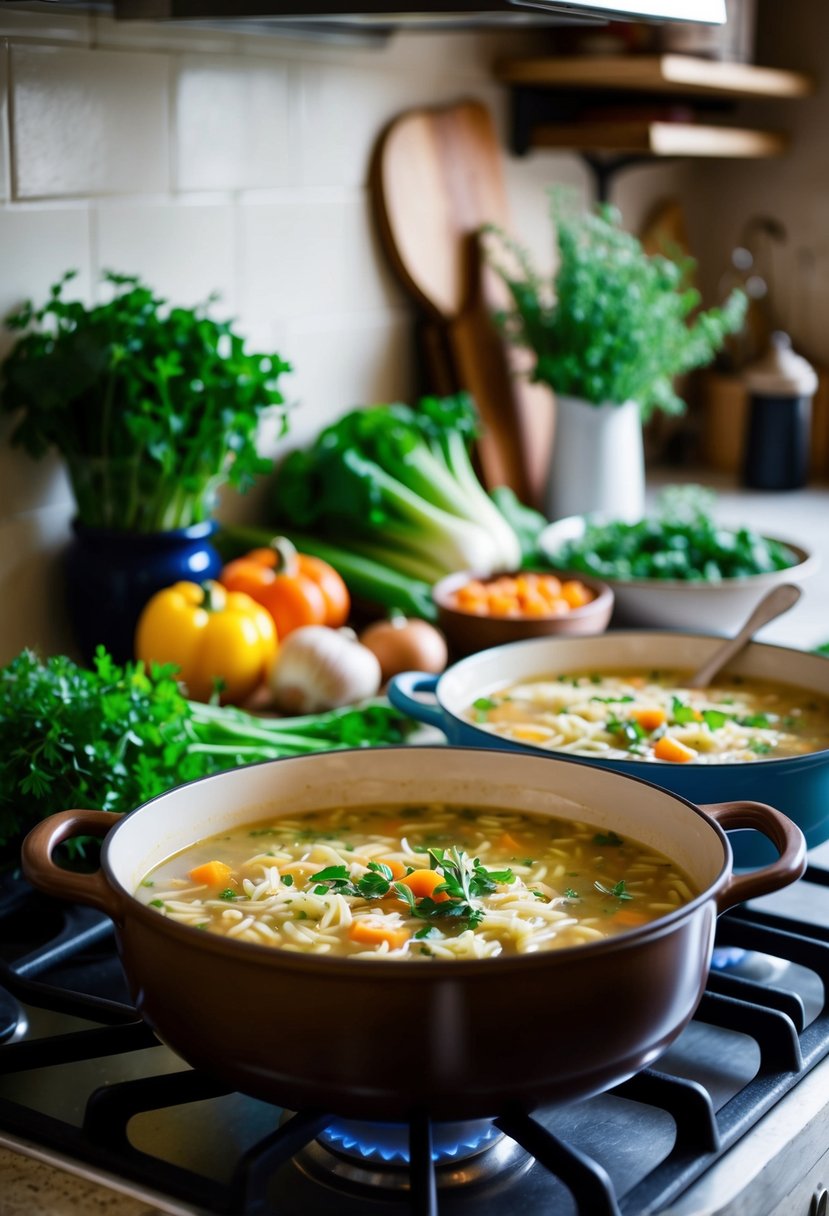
<point>401,692</point>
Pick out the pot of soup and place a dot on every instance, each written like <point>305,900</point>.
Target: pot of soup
<point>617,701</point>
<point>438,930</point>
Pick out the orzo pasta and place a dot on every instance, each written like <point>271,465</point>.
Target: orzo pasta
<point>651,715</point>
<point>425,882</point>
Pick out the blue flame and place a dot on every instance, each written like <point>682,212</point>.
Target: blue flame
<point>389,1142</point>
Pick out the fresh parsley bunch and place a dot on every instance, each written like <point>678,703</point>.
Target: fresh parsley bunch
<point>615,324</point>
<point>111,737</point>
<point>152,407</point>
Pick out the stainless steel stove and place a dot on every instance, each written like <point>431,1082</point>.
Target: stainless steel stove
<point>733,1120</point>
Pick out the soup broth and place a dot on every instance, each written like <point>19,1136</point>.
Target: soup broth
<point>650,715</point>
<point>417,882</point>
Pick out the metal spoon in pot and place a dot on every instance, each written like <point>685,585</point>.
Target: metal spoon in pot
<point>775,603</point>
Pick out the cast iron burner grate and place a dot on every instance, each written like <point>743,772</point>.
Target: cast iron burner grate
<point>62,973</point>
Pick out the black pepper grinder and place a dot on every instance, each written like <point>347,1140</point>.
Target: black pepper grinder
<point>781,386</point>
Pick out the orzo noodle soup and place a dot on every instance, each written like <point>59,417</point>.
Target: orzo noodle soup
<point>417,882</point>
<point>650,715</point>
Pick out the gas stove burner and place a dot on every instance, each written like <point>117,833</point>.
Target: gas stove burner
<point>359,1154</point>
<point>13,1022</point>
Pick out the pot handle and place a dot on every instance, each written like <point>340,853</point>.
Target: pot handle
<point>42,872</point>
<point>401,690</point>
<point>786,837</point>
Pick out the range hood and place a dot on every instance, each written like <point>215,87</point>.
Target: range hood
<point>423,13</point>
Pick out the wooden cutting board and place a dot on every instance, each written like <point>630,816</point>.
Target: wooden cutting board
<point>436,179</point>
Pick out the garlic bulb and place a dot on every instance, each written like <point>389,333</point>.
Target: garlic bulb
<point>317,668</point>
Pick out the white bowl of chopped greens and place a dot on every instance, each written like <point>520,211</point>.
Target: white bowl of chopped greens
<point>676,570</point>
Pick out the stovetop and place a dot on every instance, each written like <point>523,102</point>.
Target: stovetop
<point>733,1119</point>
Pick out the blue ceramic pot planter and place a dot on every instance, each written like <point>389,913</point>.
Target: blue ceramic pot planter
<point>110,575</point>
<point>798,786</point>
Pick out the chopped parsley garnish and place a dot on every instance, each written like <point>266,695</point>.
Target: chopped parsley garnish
<point>482,706</point>
<point>228,894</point>
<point>683,715</point>
<point>619,891</point>
<point>608,838</point>
<point>715,719</point>
<point>569,893</point>
<point>464,880</point>
<point>758,721</point>
<point>156,903</point>
<point>148,882</point>
<point>759,746</point>
<point>425,931</point>
<point>612,700</point>
<point>287,880</point>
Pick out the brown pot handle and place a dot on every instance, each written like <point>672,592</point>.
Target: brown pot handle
<point>41,871</point>
<point>786,837</point>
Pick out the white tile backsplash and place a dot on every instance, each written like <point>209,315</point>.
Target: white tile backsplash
<point>207,160</point>
<point>89,122</point>
<point>5,163</point>
<point>38,244</point>
<point>185,252</point>
<point>31,612</point>
<point>233,123</point>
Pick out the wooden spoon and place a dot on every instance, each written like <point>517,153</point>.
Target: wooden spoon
<point>777,601</point>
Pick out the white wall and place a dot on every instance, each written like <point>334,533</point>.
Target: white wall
<point>234,163</point>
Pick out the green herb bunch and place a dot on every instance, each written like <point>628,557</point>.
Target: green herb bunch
<point>111,737</point>
<point>616,324</point>
<point>152,407</point>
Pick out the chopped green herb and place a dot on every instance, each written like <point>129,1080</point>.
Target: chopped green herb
<point>148,882</point>
<point>287,880</point>
<point>758,721</point>
<point>569,893</point>
<point>156,903</point>
<point>228,894</point>
<point>683,714</point>
<point>759,746</point>
<point>619,891</point>
<point>608,838</point>
<point>426,931</point>
<point>715,719</point>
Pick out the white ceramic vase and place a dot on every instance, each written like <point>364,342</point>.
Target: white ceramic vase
<point>598,463</point>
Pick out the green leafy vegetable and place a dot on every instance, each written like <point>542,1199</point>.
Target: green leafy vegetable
<point>396,485</point>
<point>681,541</point>
<point>115,736</point>
<point>715,719</point>
<point>615,324</point>
<point>152,407</point>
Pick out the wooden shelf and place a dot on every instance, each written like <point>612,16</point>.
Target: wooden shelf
<point>643,138</point>
<point>666,74</point>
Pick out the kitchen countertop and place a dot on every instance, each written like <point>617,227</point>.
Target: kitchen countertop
<point>801,516</point>
<point>28,1185</point>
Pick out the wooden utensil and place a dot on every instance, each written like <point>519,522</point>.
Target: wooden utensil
<point>436,178</point>
<point>779,600</point>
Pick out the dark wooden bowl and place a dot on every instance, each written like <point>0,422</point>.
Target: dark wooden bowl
<point>469,632</point>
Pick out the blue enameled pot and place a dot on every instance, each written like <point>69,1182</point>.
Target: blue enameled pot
<point>798,786</point>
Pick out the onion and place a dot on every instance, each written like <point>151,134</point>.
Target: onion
<point>406,644</point>
<point>318,668</point>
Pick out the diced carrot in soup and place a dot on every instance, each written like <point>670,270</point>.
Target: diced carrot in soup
<point>649,717</point>
<point>397,868</point>
<point>372,932</point>
<point>667,748</point>
<point>211,873</point>
<point>422,883</point>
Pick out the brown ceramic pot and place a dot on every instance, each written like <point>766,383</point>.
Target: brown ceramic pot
<point>384,1039</point>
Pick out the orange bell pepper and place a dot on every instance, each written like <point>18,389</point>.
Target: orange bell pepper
<point>295,588</point>
<point>209,634</point>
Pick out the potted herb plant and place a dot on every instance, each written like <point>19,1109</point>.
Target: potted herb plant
<point>609,333</point>
<point>152,408</point>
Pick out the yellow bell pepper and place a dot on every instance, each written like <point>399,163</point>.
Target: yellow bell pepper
<point>209,633</point>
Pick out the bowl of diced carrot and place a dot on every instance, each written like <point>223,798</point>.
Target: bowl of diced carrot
<point>476,611</point>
